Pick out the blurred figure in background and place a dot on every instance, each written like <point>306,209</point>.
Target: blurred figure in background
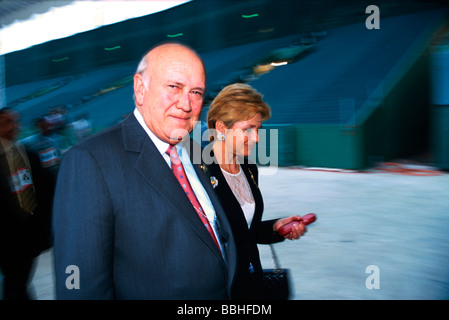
<point>26,194</point>
<point>57,117</point>
<point>49,145</point>
<point>80,128</point>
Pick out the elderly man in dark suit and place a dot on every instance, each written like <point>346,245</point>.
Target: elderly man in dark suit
<point>124,227</point>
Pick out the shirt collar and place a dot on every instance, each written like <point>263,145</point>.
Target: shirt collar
<point>161,146</point>
<point>6,144</point>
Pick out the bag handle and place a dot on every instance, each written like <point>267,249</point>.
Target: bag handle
<point>274,256</point>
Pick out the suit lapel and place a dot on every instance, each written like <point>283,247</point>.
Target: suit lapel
<point>225,228</point>
<point>230,201</point>
<point>204,175</point>
<point>152,166</point>
<point>194,150</point>
<point>252,180</point>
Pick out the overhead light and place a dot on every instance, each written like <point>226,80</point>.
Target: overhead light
<point>277,64</point>
<point>112,48</point>
<point>175,35</point>
<point>248,16</point>
<point>59,60</point>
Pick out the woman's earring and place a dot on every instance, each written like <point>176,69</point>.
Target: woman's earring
<point>220,136</point>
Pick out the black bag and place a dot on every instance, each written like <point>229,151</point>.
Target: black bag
<point>276,281</point>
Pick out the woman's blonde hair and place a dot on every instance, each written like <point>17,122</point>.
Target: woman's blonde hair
<point>236,102</point>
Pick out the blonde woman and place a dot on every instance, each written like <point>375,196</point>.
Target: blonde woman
<point>234,118</point>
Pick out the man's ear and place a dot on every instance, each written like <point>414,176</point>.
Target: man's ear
<point>139,88</point>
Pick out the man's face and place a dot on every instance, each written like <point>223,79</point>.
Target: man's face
<point>171,105</point>
<point>9,125</point>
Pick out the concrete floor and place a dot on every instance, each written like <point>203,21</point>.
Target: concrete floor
<point>398,223</point>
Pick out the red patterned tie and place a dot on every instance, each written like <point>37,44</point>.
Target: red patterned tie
<point>178,170</point>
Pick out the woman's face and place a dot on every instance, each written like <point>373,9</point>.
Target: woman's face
<point>243,136</point>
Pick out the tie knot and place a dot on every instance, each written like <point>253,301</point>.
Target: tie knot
<point>169,149</point>
<point>173,154</point>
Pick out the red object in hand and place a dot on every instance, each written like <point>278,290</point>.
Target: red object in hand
<point>305,220</point>
<point>308,219</point>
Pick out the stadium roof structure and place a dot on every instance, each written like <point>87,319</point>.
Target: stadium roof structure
<point>20,10</point>
<point>340,78</point>
<point>342,95</point>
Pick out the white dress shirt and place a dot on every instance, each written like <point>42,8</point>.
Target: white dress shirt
<point>197,187</point>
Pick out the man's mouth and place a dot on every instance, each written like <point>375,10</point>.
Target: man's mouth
<point>180,118</point>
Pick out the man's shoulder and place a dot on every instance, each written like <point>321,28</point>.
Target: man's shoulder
<point>99,145</point>
<point>108,135</point>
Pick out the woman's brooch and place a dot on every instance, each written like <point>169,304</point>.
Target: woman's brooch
<point>213,181</point>
<point>252,177</point>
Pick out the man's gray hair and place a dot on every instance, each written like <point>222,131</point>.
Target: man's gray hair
<point>141,69</point>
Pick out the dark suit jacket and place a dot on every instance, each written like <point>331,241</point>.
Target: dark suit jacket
<point>247,285</point>
<point>122,219</point>
<point>20,231</point>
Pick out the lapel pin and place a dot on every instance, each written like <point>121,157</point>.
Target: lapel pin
<point>213,181</point>
<point>252,177</point>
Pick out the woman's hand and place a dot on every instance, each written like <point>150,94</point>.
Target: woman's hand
<point>297,229</point>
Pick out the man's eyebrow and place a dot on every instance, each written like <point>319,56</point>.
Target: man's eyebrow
<point>182,84</point>
<point>199,88</point>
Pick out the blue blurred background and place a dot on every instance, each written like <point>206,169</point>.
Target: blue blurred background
<point>342,95</point>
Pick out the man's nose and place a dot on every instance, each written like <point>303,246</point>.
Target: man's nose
<point>185,102</point>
